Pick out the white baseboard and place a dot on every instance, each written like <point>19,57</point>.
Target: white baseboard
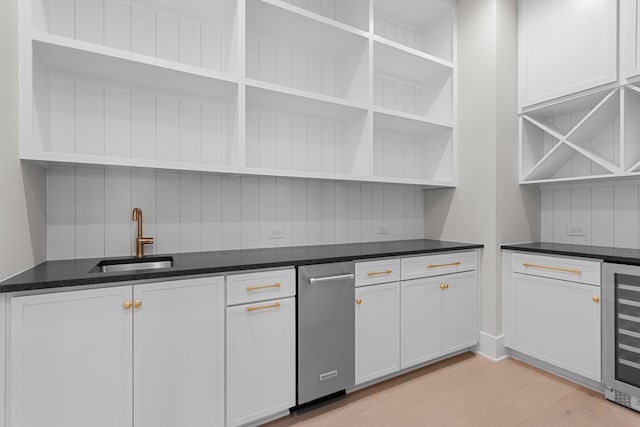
<point>491,347</point>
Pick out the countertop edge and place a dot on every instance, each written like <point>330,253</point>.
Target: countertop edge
<point>115,279</point>
<point>608,258</point>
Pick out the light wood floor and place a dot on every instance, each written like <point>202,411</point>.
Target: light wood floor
<point>470,390</point>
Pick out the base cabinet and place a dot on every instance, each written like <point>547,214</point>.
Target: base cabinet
<point>439,316</point>
<point>261,360</point>
<point>558,322</point>
<point>377,326</point>
<point>119,356</point>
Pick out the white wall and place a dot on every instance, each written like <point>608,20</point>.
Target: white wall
<point>89,211</point>
<point>488,206</point>
<point>22,187</point>
<point>609,212</point>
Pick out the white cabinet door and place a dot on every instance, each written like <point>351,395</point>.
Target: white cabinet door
<point>421,324</point>
<point>71,359</point>
<point>261,360</point>
<point>630,37</point>
<point>377,331</point>
<point>460,312</point>
<point>557,322</point>
<point>179,353</point>
<point>565,46</point>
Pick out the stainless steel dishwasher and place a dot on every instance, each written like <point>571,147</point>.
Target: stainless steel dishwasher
<point>326,335</point>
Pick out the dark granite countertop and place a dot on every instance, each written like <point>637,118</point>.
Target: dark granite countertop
<point>55,274</point>
<point>604,253</point>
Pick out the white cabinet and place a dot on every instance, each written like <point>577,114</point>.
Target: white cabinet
<point>178,354</point>
<point>439,316</point>
<point>143,355</point>
<point>565,46</point>
<point>377,323</point>
<point>357,91</point>
<point>261,355</point>
<point>630,38</point>
<point>554,321</point>
<point>71,359</point>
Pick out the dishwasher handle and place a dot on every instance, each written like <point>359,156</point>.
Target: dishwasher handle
<point>318,280</point>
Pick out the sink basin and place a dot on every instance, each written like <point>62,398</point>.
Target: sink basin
<point>135,264</point>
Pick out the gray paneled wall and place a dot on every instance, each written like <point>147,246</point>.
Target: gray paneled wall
<point>89,211</point>
<point>609,211</point>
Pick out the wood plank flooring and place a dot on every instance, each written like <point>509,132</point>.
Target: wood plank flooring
<point>469,390</point>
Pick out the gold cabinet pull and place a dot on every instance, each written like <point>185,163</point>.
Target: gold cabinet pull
<point>137,303</point>
<point>547,267</point>
<point>256,288</point>
<point>359,301</point>
<point>444,286</point>
<point>376,273</point>
<point>450,264</point>
<point>595,299</point>
<point>263,307</point>
<point>127,305</point>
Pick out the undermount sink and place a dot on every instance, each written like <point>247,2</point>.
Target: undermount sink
<point>128,264</point>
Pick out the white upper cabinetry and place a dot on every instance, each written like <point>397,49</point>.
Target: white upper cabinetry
<point>577,113</point>
<point>359,90</point>
<point>566,46</point>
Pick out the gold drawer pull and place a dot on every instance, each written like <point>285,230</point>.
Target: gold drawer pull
<point>359,301</point>
<point>546,267</point>
<point>127,304</point>
<point>375,273</point>
<point>444,286</point>
<point>264,307</point>
<point>137,303</point>
<point>595,299</point>
<point>257,288</point>
<point>444,265</point>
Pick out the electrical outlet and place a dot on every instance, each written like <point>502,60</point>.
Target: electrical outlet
<point>276,233</point>
<point>576,230</point>
<point>384,229</point>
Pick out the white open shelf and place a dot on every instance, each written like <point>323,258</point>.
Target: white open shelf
<point>292,88</point>
<point>353,13</point>
<point>412,84</point>
<point>408,148</point>
<point>320,58</point>
<point>199,33</point>
<point>101,105</point>
<point>579,138</point>
<point>290,132</point>
<point>427,26</point>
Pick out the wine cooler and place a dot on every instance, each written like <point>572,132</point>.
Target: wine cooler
<point>621,334</point>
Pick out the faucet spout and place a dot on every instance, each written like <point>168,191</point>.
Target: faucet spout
<point>136,215</point>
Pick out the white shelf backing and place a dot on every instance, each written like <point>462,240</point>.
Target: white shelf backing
<point>412,84</point>
<point>424,25</point>
<point>290,132</point>
<point>201,33</point>
<point>408,149</point>
<point>631,129</point>
<point>92,104</point>
<point>320,58</point>
<point>353,12</point>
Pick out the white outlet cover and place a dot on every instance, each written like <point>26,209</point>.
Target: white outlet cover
<point>384,229</point>
<point>576,230</point>
<point>276,233</point>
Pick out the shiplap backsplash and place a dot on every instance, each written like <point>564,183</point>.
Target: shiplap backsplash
<point>609,211</point>
<point>89,211</point>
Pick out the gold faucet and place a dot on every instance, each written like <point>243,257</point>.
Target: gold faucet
<point>140,241</point>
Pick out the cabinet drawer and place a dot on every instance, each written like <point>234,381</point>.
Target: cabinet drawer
<point>261,285</point>
<point>571,269</point>
<point>378,271</point>
<point>435,265</point>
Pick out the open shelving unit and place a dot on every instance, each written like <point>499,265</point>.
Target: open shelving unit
<point>575,139</point>
<point>325,89</point>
